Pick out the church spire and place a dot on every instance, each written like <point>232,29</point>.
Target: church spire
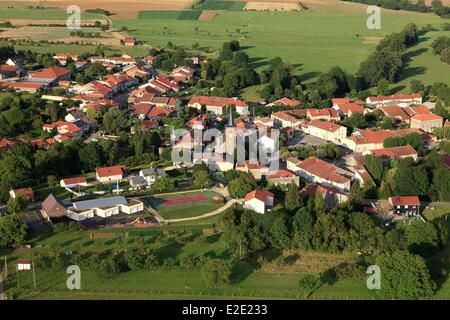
<point>230,117</point>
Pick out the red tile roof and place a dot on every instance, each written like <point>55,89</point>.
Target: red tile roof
<point>6,143</point>
<point>394,152</point>
<point>427,117</point>
<point>26,192</point>
<point>110,171</point>
<point>280,174</point>
<point>396,97</point>
<point>76,180</point>
<point>52,73</point>
<point>261,195</point>
<point>217,101</point>
<point>325,125</point>
<point>351,107</point>
<point>404,200</point>
<point>339,101</point>
<point>322,169</point>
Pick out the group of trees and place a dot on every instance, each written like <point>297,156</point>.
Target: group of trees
<point>231,72</point>
<point>418,6</point>
<point>404,177</point>
<point>280,80</point>
<point>386,62</point>
<point>441,46</point>
<point>328,150</point>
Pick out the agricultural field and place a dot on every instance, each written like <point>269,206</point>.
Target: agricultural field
<point>312,42</point>
<point>185,209</point>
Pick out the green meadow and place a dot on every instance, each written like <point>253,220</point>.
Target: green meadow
<point>312,42</point>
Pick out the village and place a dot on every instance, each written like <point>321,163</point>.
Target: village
<point>95,150</point>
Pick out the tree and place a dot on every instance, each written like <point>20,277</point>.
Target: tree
<point>404,276</point>
<point>201,179</point>
<point>17,204</point>
<point>308,284</point>
<point>384,64</point>
<point>291,197</point>
<point>416,86</point>
<point>138,258</point>
<point>440,44</point>
<point>114,121</point>
<point>422,238</point>
<point>163,184</point>
<point>375,167</point>
<point>12,231</point>
<point>445,55</point>
<point>216,272</point>
<point>383,87</point>
<point>242,184</point>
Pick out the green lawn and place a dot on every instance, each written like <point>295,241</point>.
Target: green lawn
<point>435,211</point>
<point>183,210</point>
<point>43,190</point>
<point>312,41</point>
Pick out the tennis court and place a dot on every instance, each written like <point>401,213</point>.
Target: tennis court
<point>185,205</point>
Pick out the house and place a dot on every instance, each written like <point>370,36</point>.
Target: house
<point>23,86</point>
<point>104,207</point>
<point>405,205</point>
<point>50,76</point>
<point>27,193</point>
<point>285,102</point>
<point>347,109</point>
<point>145,126</point>
<point>331,197</point>
<point>395,112</point>
<point>427,122</point>
<point>316,170</point>
<point>364,141</point>
<point>51,208</point>
<point>338,101</point>
<point>396,152</point>
<point>259,201</point>
<point>71,183</point>
<point>137,182</point>
<point>326,130</point>
<point>62,57</point>
<point>162,85</point>
<point>218,105</point>
<point>256,169</point>
<point>108,174</point>
<point>7,71</point>
<point>139,72</point>
<point>284,119</point>
<point>129,41</point>
<point>362,176</point>
<point>151,175</point>
<point>63,127</point>
<point>218,163</point>
<point>282,177</point>
<point>182,74</point>
<point>402,100</point>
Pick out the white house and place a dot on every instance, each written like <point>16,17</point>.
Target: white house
<point>259,200</point>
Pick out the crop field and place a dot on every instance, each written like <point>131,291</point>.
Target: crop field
<point>222,5</point>
<point>176,15</point>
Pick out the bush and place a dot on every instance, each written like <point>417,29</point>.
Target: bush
<point>216,272</point>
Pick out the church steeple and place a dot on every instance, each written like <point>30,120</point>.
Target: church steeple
<point>230,117</point>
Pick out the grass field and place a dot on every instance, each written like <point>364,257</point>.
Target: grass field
<point>222,5</point>
<point>312,41</point>
<point>177,15</point>
<point>183,210</point>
